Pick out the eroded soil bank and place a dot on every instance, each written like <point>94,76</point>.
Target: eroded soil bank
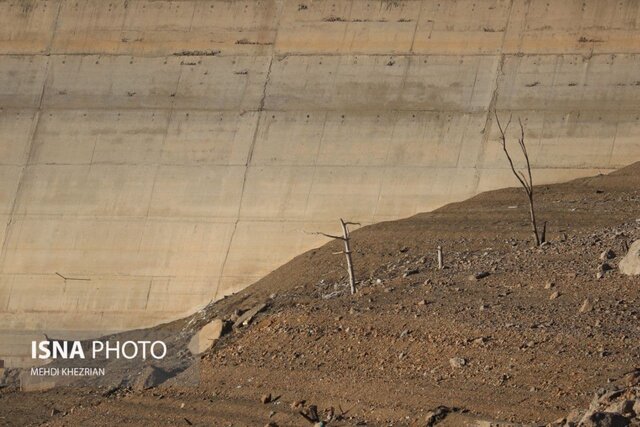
<point>527,341</point>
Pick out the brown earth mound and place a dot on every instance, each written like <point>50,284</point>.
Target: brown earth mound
<point>528,340</point>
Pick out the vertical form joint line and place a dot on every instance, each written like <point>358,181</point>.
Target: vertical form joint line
<point>415,29</point>
<point>249,157</point>
<point>21,177</point>
<point>54,29</point>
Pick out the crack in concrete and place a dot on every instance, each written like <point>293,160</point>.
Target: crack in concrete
<point>260,113</point>
<point>486,130</point>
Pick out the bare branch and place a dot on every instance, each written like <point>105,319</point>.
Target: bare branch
<point>331,236</point>
<point>503,139</point>
<point>525,180</point>
<point>526,154</point>
<point>502,131</point>
<point>527,187</point>
<point>347,249</point>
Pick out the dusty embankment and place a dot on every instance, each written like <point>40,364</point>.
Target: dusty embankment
<point>529,342</point>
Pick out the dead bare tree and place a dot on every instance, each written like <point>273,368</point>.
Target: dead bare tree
<point>346,238</point>
<point>526,181</point>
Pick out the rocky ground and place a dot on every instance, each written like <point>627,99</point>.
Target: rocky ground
<point>506,331</point>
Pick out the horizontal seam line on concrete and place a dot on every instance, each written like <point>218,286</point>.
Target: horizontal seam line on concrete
<point>282,55</point>
<point>4,111</point>
<point>313,166</point>
<point>194,219</point>
<point>356,110</point>
<point>112,275</point>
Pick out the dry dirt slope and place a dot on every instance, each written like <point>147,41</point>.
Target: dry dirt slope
<point>538,335</point>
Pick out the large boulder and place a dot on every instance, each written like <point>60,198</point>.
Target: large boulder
<point>630,264</point>
<point>206,336</point>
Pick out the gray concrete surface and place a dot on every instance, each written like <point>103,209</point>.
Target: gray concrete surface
<point>161,154</point>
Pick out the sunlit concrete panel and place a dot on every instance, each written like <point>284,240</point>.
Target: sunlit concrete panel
<point>92,247</point>
<point>209,137</point>
<point>26,27</point>
<point>380,36</point>
<point>436,140</point>
<point>263,239</point>
<point>90,26</point>
<point>72,246</point>
<point>349,192</point>
<point>106,27</point>
<point>573,26</point>
<point>9,179</point>
<point>373,138</point>
<point>406,190</point>
<point>324,37</point>
<point>358,26</point>
<point>86,190</point>
<point>5,284</point>
<point>202,191</point>
<point>566,82</point>
<point>21,80</point>
<point>365,82</point>
<point>356,139</point>
<point>239,27</point>
<point>79,81</point>
<point>184,248</point>
<point>379,27</point>
<point>4,220</point>
<point>450,83</point>
<point>166,27</point>
<point>26,293</point>
<point>191,292</point>
<point>461,27</point>
<point>313,19</point>
<point>277,192</point>
<point>289,137</point>
<point>89,136</point>
<point>16,127</point>
<point>74,233</point>
<point>222,83</point>
<point>379,83</point>
<point>115,294</point>
<point>316,11</point>
<point>552,139</point>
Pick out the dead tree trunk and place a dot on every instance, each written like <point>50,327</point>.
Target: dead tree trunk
<point>346,239</point>
<point>347,253</point>
<point>525,180</point>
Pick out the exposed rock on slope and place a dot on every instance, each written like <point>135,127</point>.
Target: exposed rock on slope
<point>630,264</point>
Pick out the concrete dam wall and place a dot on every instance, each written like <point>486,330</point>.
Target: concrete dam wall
<point>156,155</point>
